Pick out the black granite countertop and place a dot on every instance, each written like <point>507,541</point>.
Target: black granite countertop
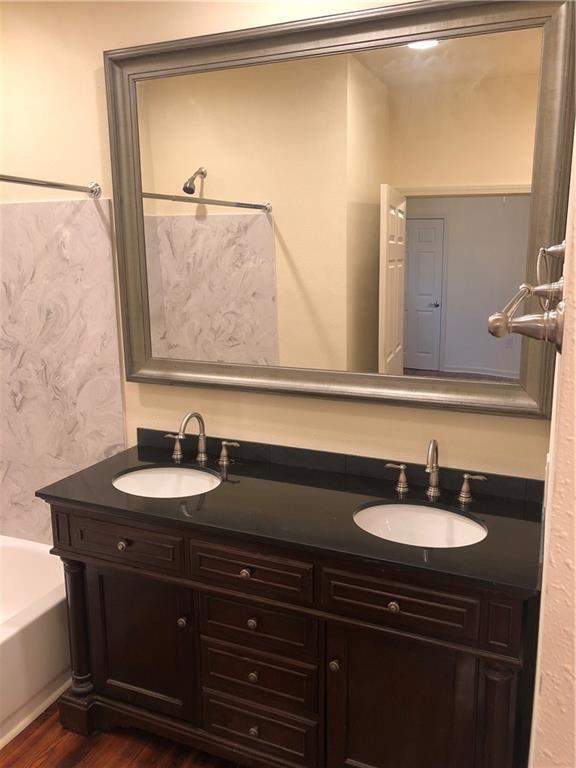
<point>314,509</point>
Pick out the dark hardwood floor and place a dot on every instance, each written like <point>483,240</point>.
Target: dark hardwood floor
<point>45,744</point>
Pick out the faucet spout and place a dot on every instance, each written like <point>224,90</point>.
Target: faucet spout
<point>432,458</point>
<point>432,469</point>
<point>201,456</point>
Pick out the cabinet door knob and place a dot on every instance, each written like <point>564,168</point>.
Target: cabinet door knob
<point>245,573</point>
<point>334,665</point>
<point>393,606</point>
<point>252,623</point>
<point>254,732</point>
<point>182,622</point>
<point>122,545</point>
<point>253,677</point>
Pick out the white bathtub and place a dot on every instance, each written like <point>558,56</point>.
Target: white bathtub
<point>34,655</point>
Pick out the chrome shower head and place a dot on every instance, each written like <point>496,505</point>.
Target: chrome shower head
<point>189,185</point>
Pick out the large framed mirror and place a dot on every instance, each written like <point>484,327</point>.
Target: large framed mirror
<point>334,207</point>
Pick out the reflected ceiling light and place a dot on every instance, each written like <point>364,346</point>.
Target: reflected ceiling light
<point>421,45</point>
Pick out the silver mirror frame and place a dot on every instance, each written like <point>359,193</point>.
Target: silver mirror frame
<point>347,33</point>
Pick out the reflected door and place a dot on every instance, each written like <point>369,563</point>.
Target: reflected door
<point>423,320</point>
<point>391,300</point>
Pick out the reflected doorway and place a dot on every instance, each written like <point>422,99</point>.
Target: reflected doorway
<point>464,256</point>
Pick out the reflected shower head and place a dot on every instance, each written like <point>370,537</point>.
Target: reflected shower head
<point>189,185</point>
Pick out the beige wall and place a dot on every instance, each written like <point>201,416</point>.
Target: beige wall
<point>368,140</point>
<point>55,127</point>
<point>464,133</point>
<point>367,167</point>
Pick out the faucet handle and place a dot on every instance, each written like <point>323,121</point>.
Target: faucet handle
<point>224,459</point>
<point>177,452</point>
<point>465,497</point>
<point>402,484</point>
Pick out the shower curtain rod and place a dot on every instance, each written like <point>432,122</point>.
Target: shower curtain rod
<point>92,190</point>
<point>207,201</point>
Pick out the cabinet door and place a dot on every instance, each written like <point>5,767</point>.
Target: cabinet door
<point>142,641</point>
<point>398,703</point>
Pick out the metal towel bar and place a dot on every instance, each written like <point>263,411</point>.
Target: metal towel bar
<point>92,190</point>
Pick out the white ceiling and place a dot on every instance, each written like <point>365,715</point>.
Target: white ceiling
<point>464,58</point>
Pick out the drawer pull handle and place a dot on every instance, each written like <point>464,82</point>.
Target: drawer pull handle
<point>393,606</point>
<point>122,545</point>
<point>253,677</point>
<point>245,573</point>
<point>182,622</point>
<point>254,732</point>
<point>252,623</point>
<point>334,665</point>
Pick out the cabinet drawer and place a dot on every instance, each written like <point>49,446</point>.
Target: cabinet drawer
<point>287,738</point>
<point>125,544</point>
<point>400,605</point>
<point>270,629</point>
<point>260,677</point>
<point>277,577</point>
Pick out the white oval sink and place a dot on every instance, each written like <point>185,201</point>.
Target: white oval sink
<point>166,482</point>
<point>420,526</point>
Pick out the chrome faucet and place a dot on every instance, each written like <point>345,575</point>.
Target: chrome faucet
<point>433,491</point>
<point>201,456</point>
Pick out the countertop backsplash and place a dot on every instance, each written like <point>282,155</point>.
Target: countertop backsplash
<point>506,486</point>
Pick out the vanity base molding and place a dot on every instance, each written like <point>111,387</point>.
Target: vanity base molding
<point>88,715</point>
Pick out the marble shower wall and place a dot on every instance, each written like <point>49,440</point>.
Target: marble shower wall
<point>212,287</point>
<point>61,397</point>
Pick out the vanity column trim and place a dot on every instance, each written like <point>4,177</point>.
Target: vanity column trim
<point>78,627</point>
<point>497,711</point>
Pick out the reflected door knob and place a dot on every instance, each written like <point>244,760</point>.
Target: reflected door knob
<point>334,665</point>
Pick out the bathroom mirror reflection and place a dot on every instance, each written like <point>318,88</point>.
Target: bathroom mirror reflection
<point>399,181</point>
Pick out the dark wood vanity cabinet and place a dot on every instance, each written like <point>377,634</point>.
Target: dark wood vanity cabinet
<point>394,701</point>
<point>142,641</point>
<point>272,657</point>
